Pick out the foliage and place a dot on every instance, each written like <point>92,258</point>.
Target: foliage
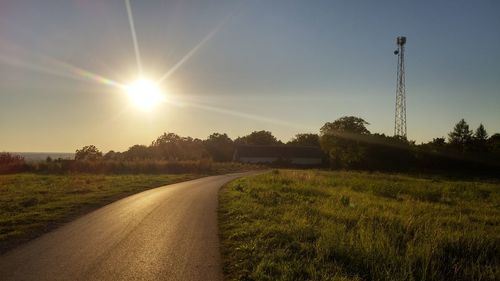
<point>346,142</point>
<point>11,163</point>
<point>173,147</point>
<point>494,145</point>
<point>311,225</point>
<point>350,145</point>
<point>461,136</point>
<point>220,147</point>
<point>258,138</point>
<point>481,133</point>
<point>346,125</point>
<point>305,140</point>
<point>88,153</point>
<point>480,140</point>
<point>135,152</point>
<point>342,141</point>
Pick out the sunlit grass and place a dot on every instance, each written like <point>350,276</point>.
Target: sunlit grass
<point>310,225</point>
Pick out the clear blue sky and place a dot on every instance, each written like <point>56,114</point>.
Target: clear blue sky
<point>281,65</point>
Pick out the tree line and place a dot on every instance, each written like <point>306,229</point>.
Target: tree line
<point>218,147</point>
<point>349,144</point>
<point>345,142</point>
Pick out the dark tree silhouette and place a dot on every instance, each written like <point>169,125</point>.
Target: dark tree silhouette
<point>11,163</point>
<point>305,140</point>
<point>435,145</point>
<point>112,155</point>
<point>173,147</point>
<point>494,145</point>
<point>220,147</point>
<point>137,152</point>
<point>165,138</point>
<point>341,140</point>
<point>346,125</point>
<point>461,136</point>
<point>481,133</point>
<point>346,141</point>
<point>88,153</point>
<point>258,138</point>
<point>480,140</point>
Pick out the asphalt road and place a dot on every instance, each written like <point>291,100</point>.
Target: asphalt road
<point>167,233</point>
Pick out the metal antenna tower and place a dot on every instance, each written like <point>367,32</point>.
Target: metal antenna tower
<point>400,119</point>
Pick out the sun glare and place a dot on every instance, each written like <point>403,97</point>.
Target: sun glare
<point>145,94</point>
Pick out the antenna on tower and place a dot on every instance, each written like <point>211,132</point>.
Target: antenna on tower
<point>400,118</point>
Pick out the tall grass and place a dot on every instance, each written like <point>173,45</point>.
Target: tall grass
<point>311,225</point>
<point>62,166</point>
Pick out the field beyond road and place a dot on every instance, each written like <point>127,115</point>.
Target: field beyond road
<point>31,203</point>
<point>312,225</point>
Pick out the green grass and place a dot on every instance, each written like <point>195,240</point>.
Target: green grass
<point>312,225</point>
<point>32,203</point>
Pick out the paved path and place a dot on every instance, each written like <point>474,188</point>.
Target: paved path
<point>167,233</point>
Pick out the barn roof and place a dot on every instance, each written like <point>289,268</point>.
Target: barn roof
<point>278,151</point>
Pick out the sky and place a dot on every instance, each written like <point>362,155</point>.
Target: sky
<point>287,66</point>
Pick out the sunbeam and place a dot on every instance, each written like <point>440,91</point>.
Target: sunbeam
<point>59,68</point>
<point>88,75</point>
<point>30,66</point>
<point>134,36</point>
<point>197,46</point>
<point>189,54</point>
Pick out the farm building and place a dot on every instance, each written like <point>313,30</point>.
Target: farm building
<point>295,155</point>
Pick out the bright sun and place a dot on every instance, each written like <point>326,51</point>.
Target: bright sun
<point>145,93</point>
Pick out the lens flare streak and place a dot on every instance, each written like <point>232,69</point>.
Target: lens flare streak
<point>68,71</point>
<point>197,47</point>
<point>134,35</point>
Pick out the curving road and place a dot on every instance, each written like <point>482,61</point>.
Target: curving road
<point>166,233</point>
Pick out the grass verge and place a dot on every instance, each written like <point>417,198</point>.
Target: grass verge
<point>313,225</point>
<point>31,204</point>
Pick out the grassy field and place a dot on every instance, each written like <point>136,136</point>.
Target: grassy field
<point>312,225</point>
<point>30,203</point>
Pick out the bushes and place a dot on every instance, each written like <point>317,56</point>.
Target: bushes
<point>12,163</point>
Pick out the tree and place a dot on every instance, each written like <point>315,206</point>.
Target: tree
<point>386,152</point>
<point>481,134</point>
<point>112,155</point>
<point>480,140</point>
<point>346,125</point>
<point>165,138</point>
<point>220,147</point>
<point>258,138</point>
<point>305,140</point>
<point>461,136</point>
<point>137,152</point>
<point>435,145</point>
<point>173,147</point>
<point>438,142</point>
<point>494,145</point>
<point>167,146</point>
<point>88,153</point>
<point>341,140</point>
